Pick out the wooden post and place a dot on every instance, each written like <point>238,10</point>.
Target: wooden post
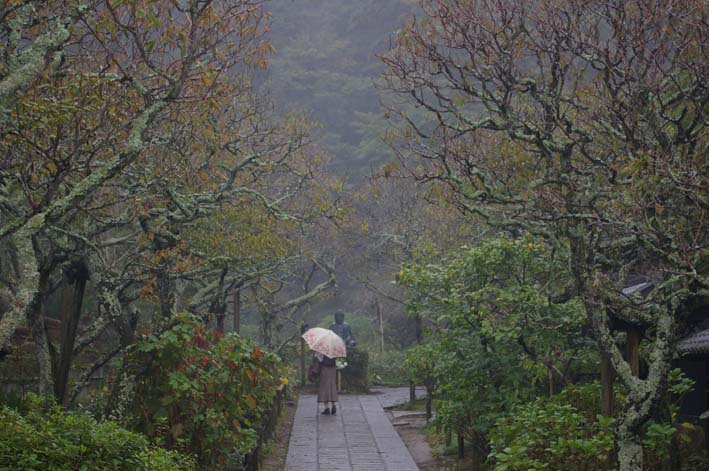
<point>419,329</point>
<point>252,459</point>
<point>449,437</point>
<point>339,381</point>
<point>302,355</point>
<point>607,377</point>
<point>477,458</point>
<point>461,445</point>
<point>632,350</point>
<point>220,322</point>
<point>381,323</point>
<point>412,392</point>
<point>237,310</point>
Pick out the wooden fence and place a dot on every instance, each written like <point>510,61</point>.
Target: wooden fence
<point>268,427</point>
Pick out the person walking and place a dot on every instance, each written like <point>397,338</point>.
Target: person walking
<point>327,347</point>
<point>327,383</point>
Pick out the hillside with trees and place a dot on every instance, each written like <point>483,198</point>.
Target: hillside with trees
<point>325,64</point>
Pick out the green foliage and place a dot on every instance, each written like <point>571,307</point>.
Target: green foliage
<point>387,368</point>
<point>557,433</point>
<point>420,365</point>
<point>537,158</point>
<point>658,438</point>
<point>33,438</point>
<point>565,432</point>
<point>205,394</point>
<point>497,329</point>
<point>678,382</point>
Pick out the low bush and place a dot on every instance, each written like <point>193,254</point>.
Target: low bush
<point>548,435</point>
<point>566,432</point>
<point>388,368</point>
<point>33,438</point>
<point>205,394</point>
<point>562,432</point>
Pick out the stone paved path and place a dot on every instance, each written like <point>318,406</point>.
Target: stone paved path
<point>359,438</point>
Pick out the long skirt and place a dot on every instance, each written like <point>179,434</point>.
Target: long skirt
<point>327,388</point>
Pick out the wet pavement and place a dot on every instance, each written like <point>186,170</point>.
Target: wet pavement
<point>359,437</point>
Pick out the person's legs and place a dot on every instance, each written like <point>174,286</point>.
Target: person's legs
<point>334,408</point>
<point>327,409</point>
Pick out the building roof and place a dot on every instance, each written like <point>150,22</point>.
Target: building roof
<point>641,288</point>
<point>633,285</point>
<point>695,344</point>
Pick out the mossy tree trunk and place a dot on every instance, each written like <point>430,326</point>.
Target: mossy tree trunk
<point>644,395</point>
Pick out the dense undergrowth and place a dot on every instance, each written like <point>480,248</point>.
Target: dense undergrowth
<point>199,405</point>
<point>35,437</point>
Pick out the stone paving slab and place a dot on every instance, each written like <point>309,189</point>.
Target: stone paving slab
<point>397,414</point>
<point>359,438</point>
<point>396,396</point>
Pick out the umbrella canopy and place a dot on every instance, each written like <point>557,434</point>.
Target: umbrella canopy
<point>326,342</point>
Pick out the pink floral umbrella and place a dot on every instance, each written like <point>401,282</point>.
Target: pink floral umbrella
<point>326,342</point>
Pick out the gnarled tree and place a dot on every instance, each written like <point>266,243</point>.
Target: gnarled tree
<point>583,121</point>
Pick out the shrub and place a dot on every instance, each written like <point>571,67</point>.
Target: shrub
<point>387,368</point>
<point>34,439</point>
<point>206,394</point>
<point>420,366</point>
<point>566,432</point>
<point>550,435</point>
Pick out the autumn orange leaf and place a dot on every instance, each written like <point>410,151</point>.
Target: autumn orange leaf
<point>256,354</point>
<point>251,375</point>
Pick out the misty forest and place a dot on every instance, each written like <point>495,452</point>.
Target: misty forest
<point>506,201</point>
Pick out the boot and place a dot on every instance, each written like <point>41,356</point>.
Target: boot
<point>326,411</point>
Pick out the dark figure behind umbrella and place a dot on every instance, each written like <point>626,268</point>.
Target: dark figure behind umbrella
<point>327,382</point>
<point>343,329</point>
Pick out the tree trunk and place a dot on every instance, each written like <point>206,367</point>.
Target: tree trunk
<point>45,383</point>
<point>477,458</point>
<point>633,350</point>
<point>419,329</point>
<point>630,451</point>
<point>219,303</point>
<point>76,277</point>
<point>26,297</point>
<point>166,292</point>
<point>607,377</point>
<point>266,330</point>
<point>220,322</point>
<point>380,317</point>
<point>644,396</point>
<point>237,311</point>
<point>43,347</point>
<point>123,391</point>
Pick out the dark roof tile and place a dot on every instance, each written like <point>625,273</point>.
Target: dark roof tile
<point>695,344</point>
